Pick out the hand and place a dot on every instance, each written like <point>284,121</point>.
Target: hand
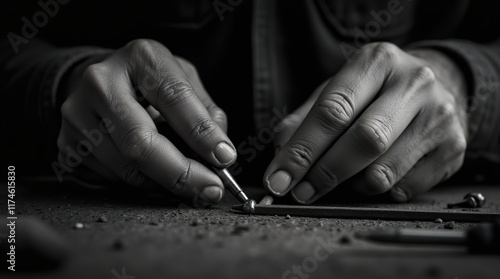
<point>116,107</point>
<point>389,121</point>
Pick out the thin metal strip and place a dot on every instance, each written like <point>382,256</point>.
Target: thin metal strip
<point>372,213</point>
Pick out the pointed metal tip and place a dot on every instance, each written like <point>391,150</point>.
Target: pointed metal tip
<point>249,206</point>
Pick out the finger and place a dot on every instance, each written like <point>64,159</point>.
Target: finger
<point>424,135</point>
<point>140,144</point>
<point>74,153</point>
<point>175,98</point>
<point>216,113</point>
<point>431,170</point>
<point>292,122</point>
<point>341,101</point>
<point>367,139</point>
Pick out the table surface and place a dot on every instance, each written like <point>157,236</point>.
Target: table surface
<point>148,236</point>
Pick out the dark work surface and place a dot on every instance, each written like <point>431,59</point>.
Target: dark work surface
<point>147,236</point>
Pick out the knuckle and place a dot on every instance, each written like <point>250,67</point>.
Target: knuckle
<point>383,51</point>
<point>137,146</point>
<point>336,111</point>
<point>459,145</point>
<point>380,178</point>
<point>132,176</point>
<point>94,72</point>
<point>458,164</point>
<point>218,114</point>
<point>67,109</point>
<point>172,91</point>
<point>188,67</point>
<point>425,75</point>
<point>180,186</point>
<point>94,79</point>
<point>141,47</point>
<point>326,176</point>
<point>61,143</point>
<point>206,128</point>
<point>372,136</point>
<point>300,154</point>
<point>445,112</point>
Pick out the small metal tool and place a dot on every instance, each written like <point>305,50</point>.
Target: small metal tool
<point>233,187</point>
<point>369,213</point>
<point>484,238</point>
<point>471,200</point>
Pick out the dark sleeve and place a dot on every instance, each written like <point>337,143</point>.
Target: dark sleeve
<point>481,66</point>
<point>29,80</point>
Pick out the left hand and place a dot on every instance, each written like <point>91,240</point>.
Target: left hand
<point>389,120</point>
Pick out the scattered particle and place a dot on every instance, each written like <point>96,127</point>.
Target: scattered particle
<point>195,223</point>
<point>344,240</point>
<point>78,226</point>
<point>450,225</point>
<point>438,220</point>
<point>239,229</point>
<point>118,245</point>
<point>102,219</point>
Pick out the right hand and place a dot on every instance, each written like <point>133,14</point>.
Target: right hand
<point>104,108</point>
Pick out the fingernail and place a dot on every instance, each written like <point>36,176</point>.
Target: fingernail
<point>279,181</point>
<point>212,193</point>
<point>303,192</point>
<point>398,194</point>
<point>224,153</point>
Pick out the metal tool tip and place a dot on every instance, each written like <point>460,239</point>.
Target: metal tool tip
<point>249,206</point>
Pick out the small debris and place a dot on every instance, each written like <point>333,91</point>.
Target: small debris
<point>438,220</point>
<point>288,216</point>
<point>450,225</point>
<point>118,245</point>
<point>239,229</point>
<point>78,226</point>
<point>344,240</point>
<point>195,223</point>
<point>199,235</point>
<point>102,219</point>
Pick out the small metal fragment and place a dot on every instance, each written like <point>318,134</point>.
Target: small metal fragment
<point>471,200</point>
